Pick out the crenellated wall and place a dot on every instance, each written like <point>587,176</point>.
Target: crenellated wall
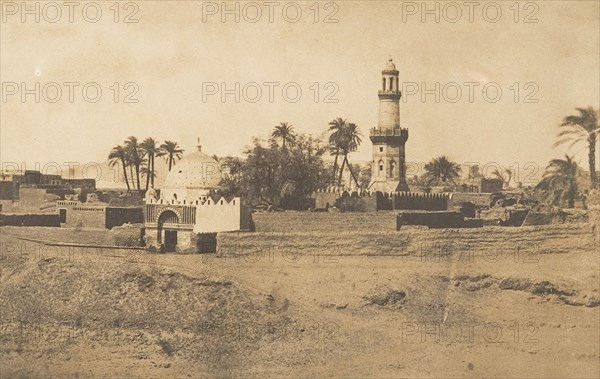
<point>370,201</point>
<point>218,216</point>
<point>419,201</point>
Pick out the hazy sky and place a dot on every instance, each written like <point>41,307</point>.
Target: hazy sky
<point>171,54</point>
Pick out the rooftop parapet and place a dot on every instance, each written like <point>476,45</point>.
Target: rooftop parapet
<point>204,201</point>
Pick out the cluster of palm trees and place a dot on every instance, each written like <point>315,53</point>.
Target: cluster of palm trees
<point>139,159</point>
<point>345,138</point>
<point>559,183</point>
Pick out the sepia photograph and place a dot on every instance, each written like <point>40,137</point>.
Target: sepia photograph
<point>299,189</point>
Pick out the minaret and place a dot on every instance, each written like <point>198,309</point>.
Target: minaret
<point>388,138</point>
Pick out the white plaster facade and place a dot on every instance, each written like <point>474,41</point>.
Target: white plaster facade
<point>186,207</point>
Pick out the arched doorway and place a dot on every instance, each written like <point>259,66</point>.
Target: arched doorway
<point>167,230</point>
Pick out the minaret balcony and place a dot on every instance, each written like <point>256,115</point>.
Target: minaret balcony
<point>393,95</point>
<point>388,135</point>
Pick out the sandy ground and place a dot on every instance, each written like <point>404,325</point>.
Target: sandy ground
<point>322,309</point>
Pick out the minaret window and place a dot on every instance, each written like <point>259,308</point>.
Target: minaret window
<point>381,149</point>
<point>391,83</point>
<point>392,169</point>
<point>384,84</point>
<point>380,166</point>
<point>397,84</point>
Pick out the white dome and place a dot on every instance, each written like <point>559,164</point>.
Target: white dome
<point>195,170</point>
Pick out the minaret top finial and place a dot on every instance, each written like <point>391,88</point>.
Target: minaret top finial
<point>199,146</point>
<point>390,66</point>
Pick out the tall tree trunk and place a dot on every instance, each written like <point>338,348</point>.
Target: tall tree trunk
<point>592,161</point>
<point>137,175</point>
<point>353,176</point>
<point>170,161</point>
<point>125,174</point>
<point>132,176</point>
<point>342,171</point>
<point>335,163</point>
<point>152,177</point>
<point>148,172</point>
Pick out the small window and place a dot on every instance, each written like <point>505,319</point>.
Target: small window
<point>381,149</point>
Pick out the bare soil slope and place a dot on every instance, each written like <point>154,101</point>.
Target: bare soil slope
<point>310,302</point>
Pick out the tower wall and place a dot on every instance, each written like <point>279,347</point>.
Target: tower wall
<point>389,113</point>
<point>388,158</point>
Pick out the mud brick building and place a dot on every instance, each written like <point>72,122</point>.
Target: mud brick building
<point>12,184</point>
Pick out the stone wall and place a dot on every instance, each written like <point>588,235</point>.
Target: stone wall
<point>51,220</point>
<point>367,201</point>
<point>333,222</point>
<point>126,235</point>
<point>32,197</point>
<point>490,185</point>
<point>431,219</point>
<point>119,216</point>
<point>478,199</point>
<point>81,215</point>
<point>325,200</point>
<point>332,243</point>
<point>420,201</point>
<point>218,216</point>
<point>9,190</point>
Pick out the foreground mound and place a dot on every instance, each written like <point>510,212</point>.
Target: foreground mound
<point>65,319</point>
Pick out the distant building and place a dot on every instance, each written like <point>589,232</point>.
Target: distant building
<point>187,206</point>
<point>490,185</point>
<point>11,183</point>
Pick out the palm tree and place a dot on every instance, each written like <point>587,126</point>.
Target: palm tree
<point>151,149</point>
<point>336,126</point>
<point>559,182</point>
<point>284,131</point>
<point>136,156</point>
<point>171,151</point>
<point>149,173</point>
<point>344,140</point>
<point>441,169</point>
<point>504,175</point>
<point>117,155</point>
<point>582,128</point>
